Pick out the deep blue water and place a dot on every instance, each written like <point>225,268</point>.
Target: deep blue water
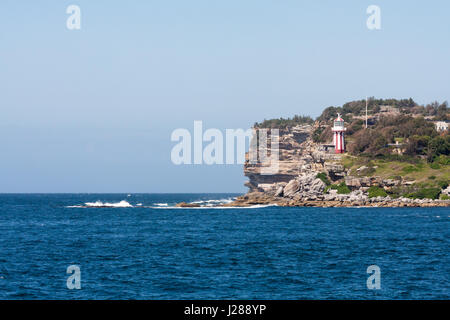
<point>261,253</point>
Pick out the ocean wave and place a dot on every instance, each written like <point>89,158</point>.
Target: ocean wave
<point>100,204</point>
<point>213,202</point>
<point>256,206</point>
<point>202,204</point>
<point>161,204</point>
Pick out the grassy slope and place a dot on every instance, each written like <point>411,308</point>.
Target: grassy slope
<point>388,169</point>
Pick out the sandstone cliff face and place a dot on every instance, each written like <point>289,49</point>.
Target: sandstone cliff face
<point>290,150</point>
<point>298,155</point>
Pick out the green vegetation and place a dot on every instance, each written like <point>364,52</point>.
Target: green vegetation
<point>376,192</point>
<point>283,123</point>
<point>443,184</point>
<point>323,176</point>
<point>420,136</point>
<point>436,110</point>
<point>417,170</point>
<point>443,160</point>
<point>404,123</point>
<point>402,169</point>
<point>409,169</point>
<point>341,188</point>
<point>429,193</point>
<point>435,166</point>
<point>396,121</point>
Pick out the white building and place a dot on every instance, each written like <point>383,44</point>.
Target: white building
<point>441,125</point>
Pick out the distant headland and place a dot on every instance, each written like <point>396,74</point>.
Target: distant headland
<point>374,153</point>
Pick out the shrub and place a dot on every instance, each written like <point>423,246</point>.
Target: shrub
<point>444,197</point>
<point>342,188</point>
<point>443,184</point>
<point>394,195</point>
<point>323,176</point>
<point>429,193</point>
<point>284,123</point>
<point>443,160</point>
<point>432,177</point>
<point>376,192</point>
<point>438,146</point>
<point>435,166</point>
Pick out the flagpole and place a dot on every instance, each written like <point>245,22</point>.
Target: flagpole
<point>366,112</point>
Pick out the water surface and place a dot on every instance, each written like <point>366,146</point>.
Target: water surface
<point>149,251</point>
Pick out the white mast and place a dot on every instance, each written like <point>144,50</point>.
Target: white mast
<point>366,112</point>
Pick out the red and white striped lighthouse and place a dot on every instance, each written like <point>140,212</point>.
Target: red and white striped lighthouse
<point>338,135</point>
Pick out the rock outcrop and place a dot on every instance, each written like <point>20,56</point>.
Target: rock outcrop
<point>187,205</point>
<point>290,160</point>
<point>305,186</point>
<point>297,155</point>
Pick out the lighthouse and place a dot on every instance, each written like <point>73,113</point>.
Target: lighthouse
<point>338,134</point>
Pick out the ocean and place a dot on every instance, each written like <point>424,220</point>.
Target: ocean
<point>138,246</point>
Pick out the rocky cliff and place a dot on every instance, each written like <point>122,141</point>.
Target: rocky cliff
<point>298,157</point>
<point>311,174</point>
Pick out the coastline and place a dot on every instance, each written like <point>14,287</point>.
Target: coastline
<point>260,198</point>
<point>252,199</point>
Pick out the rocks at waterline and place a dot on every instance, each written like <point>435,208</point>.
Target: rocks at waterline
<point>187,205</point>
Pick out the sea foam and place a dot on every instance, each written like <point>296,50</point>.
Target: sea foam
<point>100,204</point>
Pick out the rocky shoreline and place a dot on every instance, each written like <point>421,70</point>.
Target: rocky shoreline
<point>263,199</point>
<point>306,190</point>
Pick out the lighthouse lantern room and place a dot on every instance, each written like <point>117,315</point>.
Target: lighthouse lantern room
<point>338,134</point>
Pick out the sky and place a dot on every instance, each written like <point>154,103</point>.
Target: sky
<point>92,110</point>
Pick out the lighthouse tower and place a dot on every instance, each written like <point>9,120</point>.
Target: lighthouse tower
<point>338,134</point>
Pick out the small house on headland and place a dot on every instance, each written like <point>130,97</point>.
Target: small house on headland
<point>441,125</point>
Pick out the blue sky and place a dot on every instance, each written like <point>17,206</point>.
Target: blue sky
<point>92,110</point>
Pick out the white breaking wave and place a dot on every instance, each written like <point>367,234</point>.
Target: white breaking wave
<point>161,204</point>
<point>212,203</point>
<point>99,204</point>
<point>121,204</point>
<point>256,206</point>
